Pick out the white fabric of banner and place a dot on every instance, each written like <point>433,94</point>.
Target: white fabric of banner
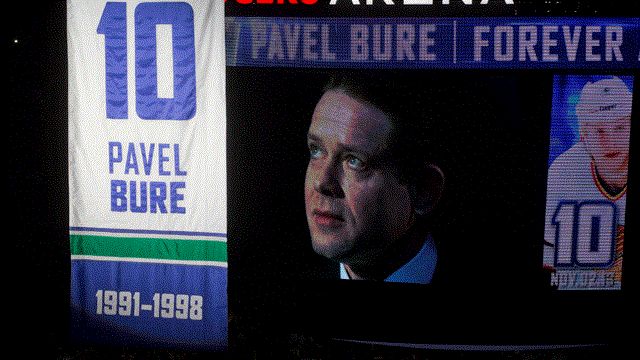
<point>173,157</point>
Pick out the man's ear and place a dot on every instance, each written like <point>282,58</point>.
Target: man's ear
<point>426,192</point>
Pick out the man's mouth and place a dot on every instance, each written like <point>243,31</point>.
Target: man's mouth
<point>328,219</point>
<point>612,154</point>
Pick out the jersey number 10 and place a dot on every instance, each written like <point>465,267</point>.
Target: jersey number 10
<point>175,20</point>
<point>584,233</point>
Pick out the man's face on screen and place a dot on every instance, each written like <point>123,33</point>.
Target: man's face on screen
<point>355,206</point>
<point>608,145</point>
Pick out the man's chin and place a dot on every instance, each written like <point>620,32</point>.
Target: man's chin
<point>330,248</point>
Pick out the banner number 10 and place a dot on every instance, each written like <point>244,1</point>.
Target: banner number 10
<point>178,19</point>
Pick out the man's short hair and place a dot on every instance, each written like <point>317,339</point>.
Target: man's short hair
<point>412,141</point>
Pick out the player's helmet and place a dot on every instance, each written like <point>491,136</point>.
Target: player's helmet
<point>604,101</point>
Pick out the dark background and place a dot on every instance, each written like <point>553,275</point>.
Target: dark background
<point>490,131</point>
<point>495,128</point>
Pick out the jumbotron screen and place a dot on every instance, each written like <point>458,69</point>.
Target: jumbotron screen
<point>436,177</point>
<point>437,174</point>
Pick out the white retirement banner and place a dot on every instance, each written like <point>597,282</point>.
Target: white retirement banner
<point>147,172</point>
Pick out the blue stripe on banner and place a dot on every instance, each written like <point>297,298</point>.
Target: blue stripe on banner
<point>148,232</point>
<point>434,43</point>
<point>144,304</point>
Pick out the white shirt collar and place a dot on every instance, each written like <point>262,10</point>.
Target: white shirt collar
<point>418,270</point>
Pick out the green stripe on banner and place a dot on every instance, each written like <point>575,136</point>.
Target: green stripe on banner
<point>150,248</point>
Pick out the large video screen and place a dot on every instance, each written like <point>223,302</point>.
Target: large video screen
<point>469,169</point>
<point>251,177</point>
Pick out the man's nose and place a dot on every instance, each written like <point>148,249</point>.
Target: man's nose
<point>328,180</point>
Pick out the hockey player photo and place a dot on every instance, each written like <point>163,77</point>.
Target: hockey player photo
<point>587,181</point>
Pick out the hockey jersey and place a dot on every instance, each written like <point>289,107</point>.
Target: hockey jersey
<point>584,225</point>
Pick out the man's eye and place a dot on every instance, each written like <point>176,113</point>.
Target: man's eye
<point>355,163</point>
<point>314,151</point>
